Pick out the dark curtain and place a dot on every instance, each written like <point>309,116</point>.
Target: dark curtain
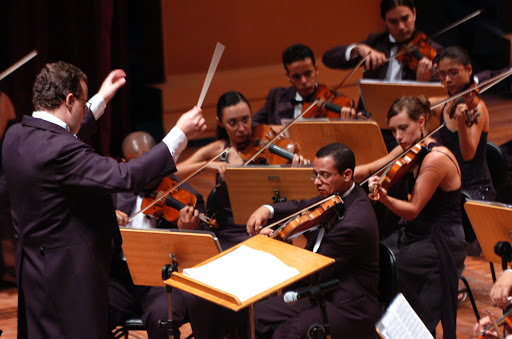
<point>94,35</point>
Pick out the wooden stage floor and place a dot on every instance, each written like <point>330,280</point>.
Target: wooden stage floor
<point>477,269</point>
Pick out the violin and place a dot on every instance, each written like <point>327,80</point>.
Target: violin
<point>506,321</point>
<point>331,103</point>
<point>399,169</point>
<point>415,50</point>
<point>309,219</point>
<point>471,99</point>
<point>279,152</point>
<point>169,208</point>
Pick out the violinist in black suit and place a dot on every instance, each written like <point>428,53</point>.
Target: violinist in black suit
<point>351,238</point>
<point>399,17</point>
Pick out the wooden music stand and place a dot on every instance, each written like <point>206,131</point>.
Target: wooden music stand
<point>363,137</point>
<point>492,222</point>
<point>378,96</point>
<point>306,262</point>
<point>147,251</point>
<point>252,186</point>
<point>153,255</point>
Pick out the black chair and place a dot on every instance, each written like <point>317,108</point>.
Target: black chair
<point>388,276</point>
<point>131,324</point>
<point>497,164</point>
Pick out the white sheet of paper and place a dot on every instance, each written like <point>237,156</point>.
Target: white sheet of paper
<point>244,272</point>
<point>401,322</point>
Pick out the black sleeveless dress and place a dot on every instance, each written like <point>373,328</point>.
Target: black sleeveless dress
<point>476,179</point>
<point>430,255</point>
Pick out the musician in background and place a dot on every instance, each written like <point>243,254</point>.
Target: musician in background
<point>429,242</point>
<point>466,130</point>
<point>350,237</point>
<point>467,123</point>
<point>127,299</point>
<point>301,70</point>
<point>234,130</point>
<point>399,17</point>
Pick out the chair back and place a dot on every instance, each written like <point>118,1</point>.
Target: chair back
<point>469,233</point>
<point>388,276</point>
<point>497,165</point>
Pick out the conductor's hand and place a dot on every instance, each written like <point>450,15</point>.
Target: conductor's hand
<point>115,80</point>
<point>122,218</point>
<point>189,218</point>
<point>501,290</point>
<point>192,122</point>
<point>257,220</point>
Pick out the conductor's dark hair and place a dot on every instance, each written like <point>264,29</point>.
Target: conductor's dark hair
<point>342,155</point>
<point>54,83</point>
<point>228,99</point>
<point>387,5</point>
<point>297,52</point>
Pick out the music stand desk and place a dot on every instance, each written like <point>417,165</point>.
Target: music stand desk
<point>379,95</point>
<point>363,137</point>
<point>492,222</point>
<point>148,251</point>
<point>250,187</point>
<point>306,262</point>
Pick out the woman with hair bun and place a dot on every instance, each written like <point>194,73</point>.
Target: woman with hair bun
<point>429,243</point>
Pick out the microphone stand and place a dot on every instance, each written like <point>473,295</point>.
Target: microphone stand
<point>317,331</point>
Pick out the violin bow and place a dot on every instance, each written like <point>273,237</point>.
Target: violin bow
<point>267,145</point>
<point>217,54</point>
<point>18,64</point>
<point>299,212</point>
<point>486,84</point>
<point>179,184</point>
<point>353,71</point>
<point>444,30</point>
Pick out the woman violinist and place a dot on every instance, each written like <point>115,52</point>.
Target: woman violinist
<point>429,248</point>
<point>234,129</point>
<point>467,123</point>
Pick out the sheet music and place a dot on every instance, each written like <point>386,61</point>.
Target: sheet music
<point>401,322</point>
<point>244,272</point>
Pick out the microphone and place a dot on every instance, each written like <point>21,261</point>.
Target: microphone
<point>291,297</point>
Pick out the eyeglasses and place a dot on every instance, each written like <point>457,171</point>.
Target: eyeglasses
<point>322,176</point>
<point>451,72</point>
<point>87,104</point>
<point>236,123</point>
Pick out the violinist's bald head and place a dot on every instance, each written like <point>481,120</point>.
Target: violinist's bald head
<point>136,144</point>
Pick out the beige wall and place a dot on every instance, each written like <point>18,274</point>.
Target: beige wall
<point>255,34</point>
